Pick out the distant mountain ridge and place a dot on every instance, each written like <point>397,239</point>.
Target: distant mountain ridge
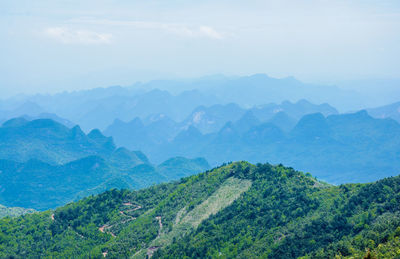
<point>87,107</point>
<point>149,134</point>
<point>331,147</point>
<point>44,164</point>
<point>41,186</point>
<point>175,98</point>
<point>49,141</point>
<point>338,148</point>
<point>387,111</point>
<point>258,89</point>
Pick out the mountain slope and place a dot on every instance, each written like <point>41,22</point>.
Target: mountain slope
<point>234,211</point>
<point>13,211</point>
<point>294,110</point>
<point>339,148</point>
<point>387,111</point>
<point>44,164</point>
<point>51,142</point>
<point>41,186</point>
<point>138,135</point>
<point>211,119</point>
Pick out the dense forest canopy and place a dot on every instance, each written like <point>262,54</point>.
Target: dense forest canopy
<point>237,210</point>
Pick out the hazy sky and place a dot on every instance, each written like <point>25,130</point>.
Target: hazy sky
<point>49,45</point>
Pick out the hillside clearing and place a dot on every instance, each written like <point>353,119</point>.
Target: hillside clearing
<point>226,194</point>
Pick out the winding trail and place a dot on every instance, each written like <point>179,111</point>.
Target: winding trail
<point>106,227</point>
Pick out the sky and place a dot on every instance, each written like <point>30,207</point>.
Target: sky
<point>52,46</point>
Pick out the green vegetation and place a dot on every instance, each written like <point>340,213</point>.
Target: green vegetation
<point>13,211</point>
<point>185,221</point>
<point>234,211</point>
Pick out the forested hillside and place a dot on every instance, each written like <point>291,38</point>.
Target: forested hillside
<point>234,211</point>
<point>13,211</point>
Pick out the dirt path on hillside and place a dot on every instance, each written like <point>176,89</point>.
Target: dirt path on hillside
<point>105,228</point>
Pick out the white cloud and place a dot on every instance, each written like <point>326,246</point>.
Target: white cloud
<point>69,36</point>
<point>210,32</point>
<point>172,28</point>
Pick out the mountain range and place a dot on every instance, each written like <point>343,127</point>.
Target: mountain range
<point>259,89</point>
<point>115,172</point>
<point>338,148</point>
<point>87,107</point>
<point>176,99</point>
<point>333,146</point>
<point>149,134</point>
<point>45,164</point>
<point>237,210</point>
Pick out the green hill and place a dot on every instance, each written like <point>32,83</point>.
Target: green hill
<point>234,211</point>
<point>13,211</point>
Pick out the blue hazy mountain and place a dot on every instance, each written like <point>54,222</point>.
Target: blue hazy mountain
<point>283,121</point>
<point>337,148</point>
<point>145,135</point>
<point>246,121</point>
<point>98,108</point>
<point>50,116</point>
<point>26,109</point>
<point>50,141</point>
<point>211,119</point>
<point>39,185</point>
<point>31,111</point>
<point>148,134</point>
<point>259,89</point>
<point>387,111</point>
<point>45,164</point>
<point>295,110</point>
